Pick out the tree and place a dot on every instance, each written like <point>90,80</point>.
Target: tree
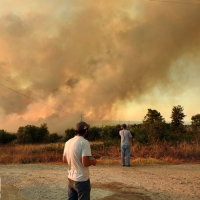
<point>153,116</point>
<point>177,131</point>
<point>157,131</point>
<point>69,133</point>
<point>33,134</point>
<point>177,116</point>
<point>94,133</point>
<point>139,133</point>
<point>110,133</point>
<point>54,137</point>
<point>42,133</point>
<point>154,125</point>
<point>196,126</point>
<point>196,122</point>
<point>23,136</point>
<point>6,138</point>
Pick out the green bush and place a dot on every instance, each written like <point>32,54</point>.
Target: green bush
<point>110,133</point>
<point>69,133</point>
<point>32,134</point>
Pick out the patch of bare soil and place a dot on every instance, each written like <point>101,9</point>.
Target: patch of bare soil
<point>10,192</point>
<point>109,182</point>
<point>121,191</point>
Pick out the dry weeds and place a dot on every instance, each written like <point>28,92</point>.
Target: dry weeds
<point>140,154</point>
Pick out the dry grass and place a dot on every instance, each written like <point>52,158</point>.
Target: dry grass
<point>105,154</point>
<point>31,153</point>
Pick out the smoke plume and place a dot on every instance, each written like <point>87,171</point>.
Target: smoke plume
<point>59,59</point>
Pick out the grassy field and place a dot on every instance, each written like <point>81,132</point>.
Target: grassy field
<point>105,153</point>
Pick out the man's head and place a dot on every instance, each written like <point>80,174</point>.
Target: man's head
<point>82,128</point>
<point>123,126</point>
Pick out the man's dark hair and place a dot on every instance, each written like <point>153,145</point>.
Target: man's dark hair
<point>124,125</point>
<point>81,127</point>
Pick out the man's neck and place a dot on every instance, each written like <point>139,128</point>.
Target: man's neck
<point>81,135</point>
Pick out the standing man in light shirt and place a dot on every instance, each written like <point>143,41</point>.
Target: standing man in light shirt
<point>77,153</point>
<point>126,139</point>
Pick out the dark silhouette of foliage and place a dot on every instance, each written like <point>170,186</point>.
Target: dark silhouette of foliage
<point>69,133</point>
<point>155,126</point>
<point>33,134</point>
<point>177,116</point>
<point>177,128</point>
<point>157,132</point>
<point>153,116</point>
<point>154,129</point>
<point>196,122</point>
<point>6,138</point>
<point>139,133</point>
<point>109,132</point>
<point>94,133</point>
<point>54,137</point>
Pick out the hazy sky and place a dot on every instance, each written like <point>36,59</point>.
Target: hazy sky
<point>107,60</point>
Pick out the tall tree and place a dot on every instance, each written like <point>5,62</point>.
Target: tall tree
<point>178,130</point>
<point>153,116</point>
<point>154,125</point>
<point>177,116</point>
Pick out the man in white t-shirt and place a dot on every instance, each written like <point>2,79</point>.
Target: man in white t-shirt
<point>126,138</point>
<point>77,153</point>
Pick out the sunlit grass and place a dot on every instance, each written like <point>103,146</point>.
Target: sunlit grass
<point>31,153</point>
<point>105,153</point>
<point>147,161</point>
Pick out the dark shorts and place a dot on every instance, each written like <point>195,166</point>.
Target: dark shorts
<point>79,190</point>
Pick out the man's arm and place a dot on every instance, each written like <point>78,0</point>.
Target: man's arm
<point>120,133</point>
<point>88,160</point>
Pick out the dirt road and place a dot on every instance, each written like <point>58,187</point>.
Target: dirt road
<point>109,182</point>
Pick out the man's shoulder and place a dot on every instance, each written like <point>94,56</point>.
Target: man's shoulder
<point>82,140</point>
<point>77,141</point>
<point>70,140</point>
<point>128,131</point>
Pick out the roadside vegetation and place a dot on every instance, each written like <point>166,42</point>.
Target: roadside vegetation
<point>155,141</point>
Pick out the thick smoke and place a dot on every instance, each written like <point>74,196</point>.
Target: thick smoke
<point>83,56</point>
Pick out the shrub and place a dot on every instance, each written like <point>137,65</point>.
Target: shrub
<point>6,138</point>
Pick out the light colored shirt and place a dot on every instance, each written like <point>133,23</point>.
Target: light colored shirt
<point>74,150</point>
<point>125,137</point>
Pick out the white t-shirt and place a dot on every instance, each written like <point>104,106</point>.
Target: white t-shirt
<point>125,137</point>
<point>74,150</point>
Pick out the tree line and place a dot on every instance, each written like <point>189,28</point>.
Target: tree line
<point>153,129</point>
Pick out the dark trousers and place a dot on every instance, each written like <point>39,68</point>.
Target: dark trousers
<point>79,190</point>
